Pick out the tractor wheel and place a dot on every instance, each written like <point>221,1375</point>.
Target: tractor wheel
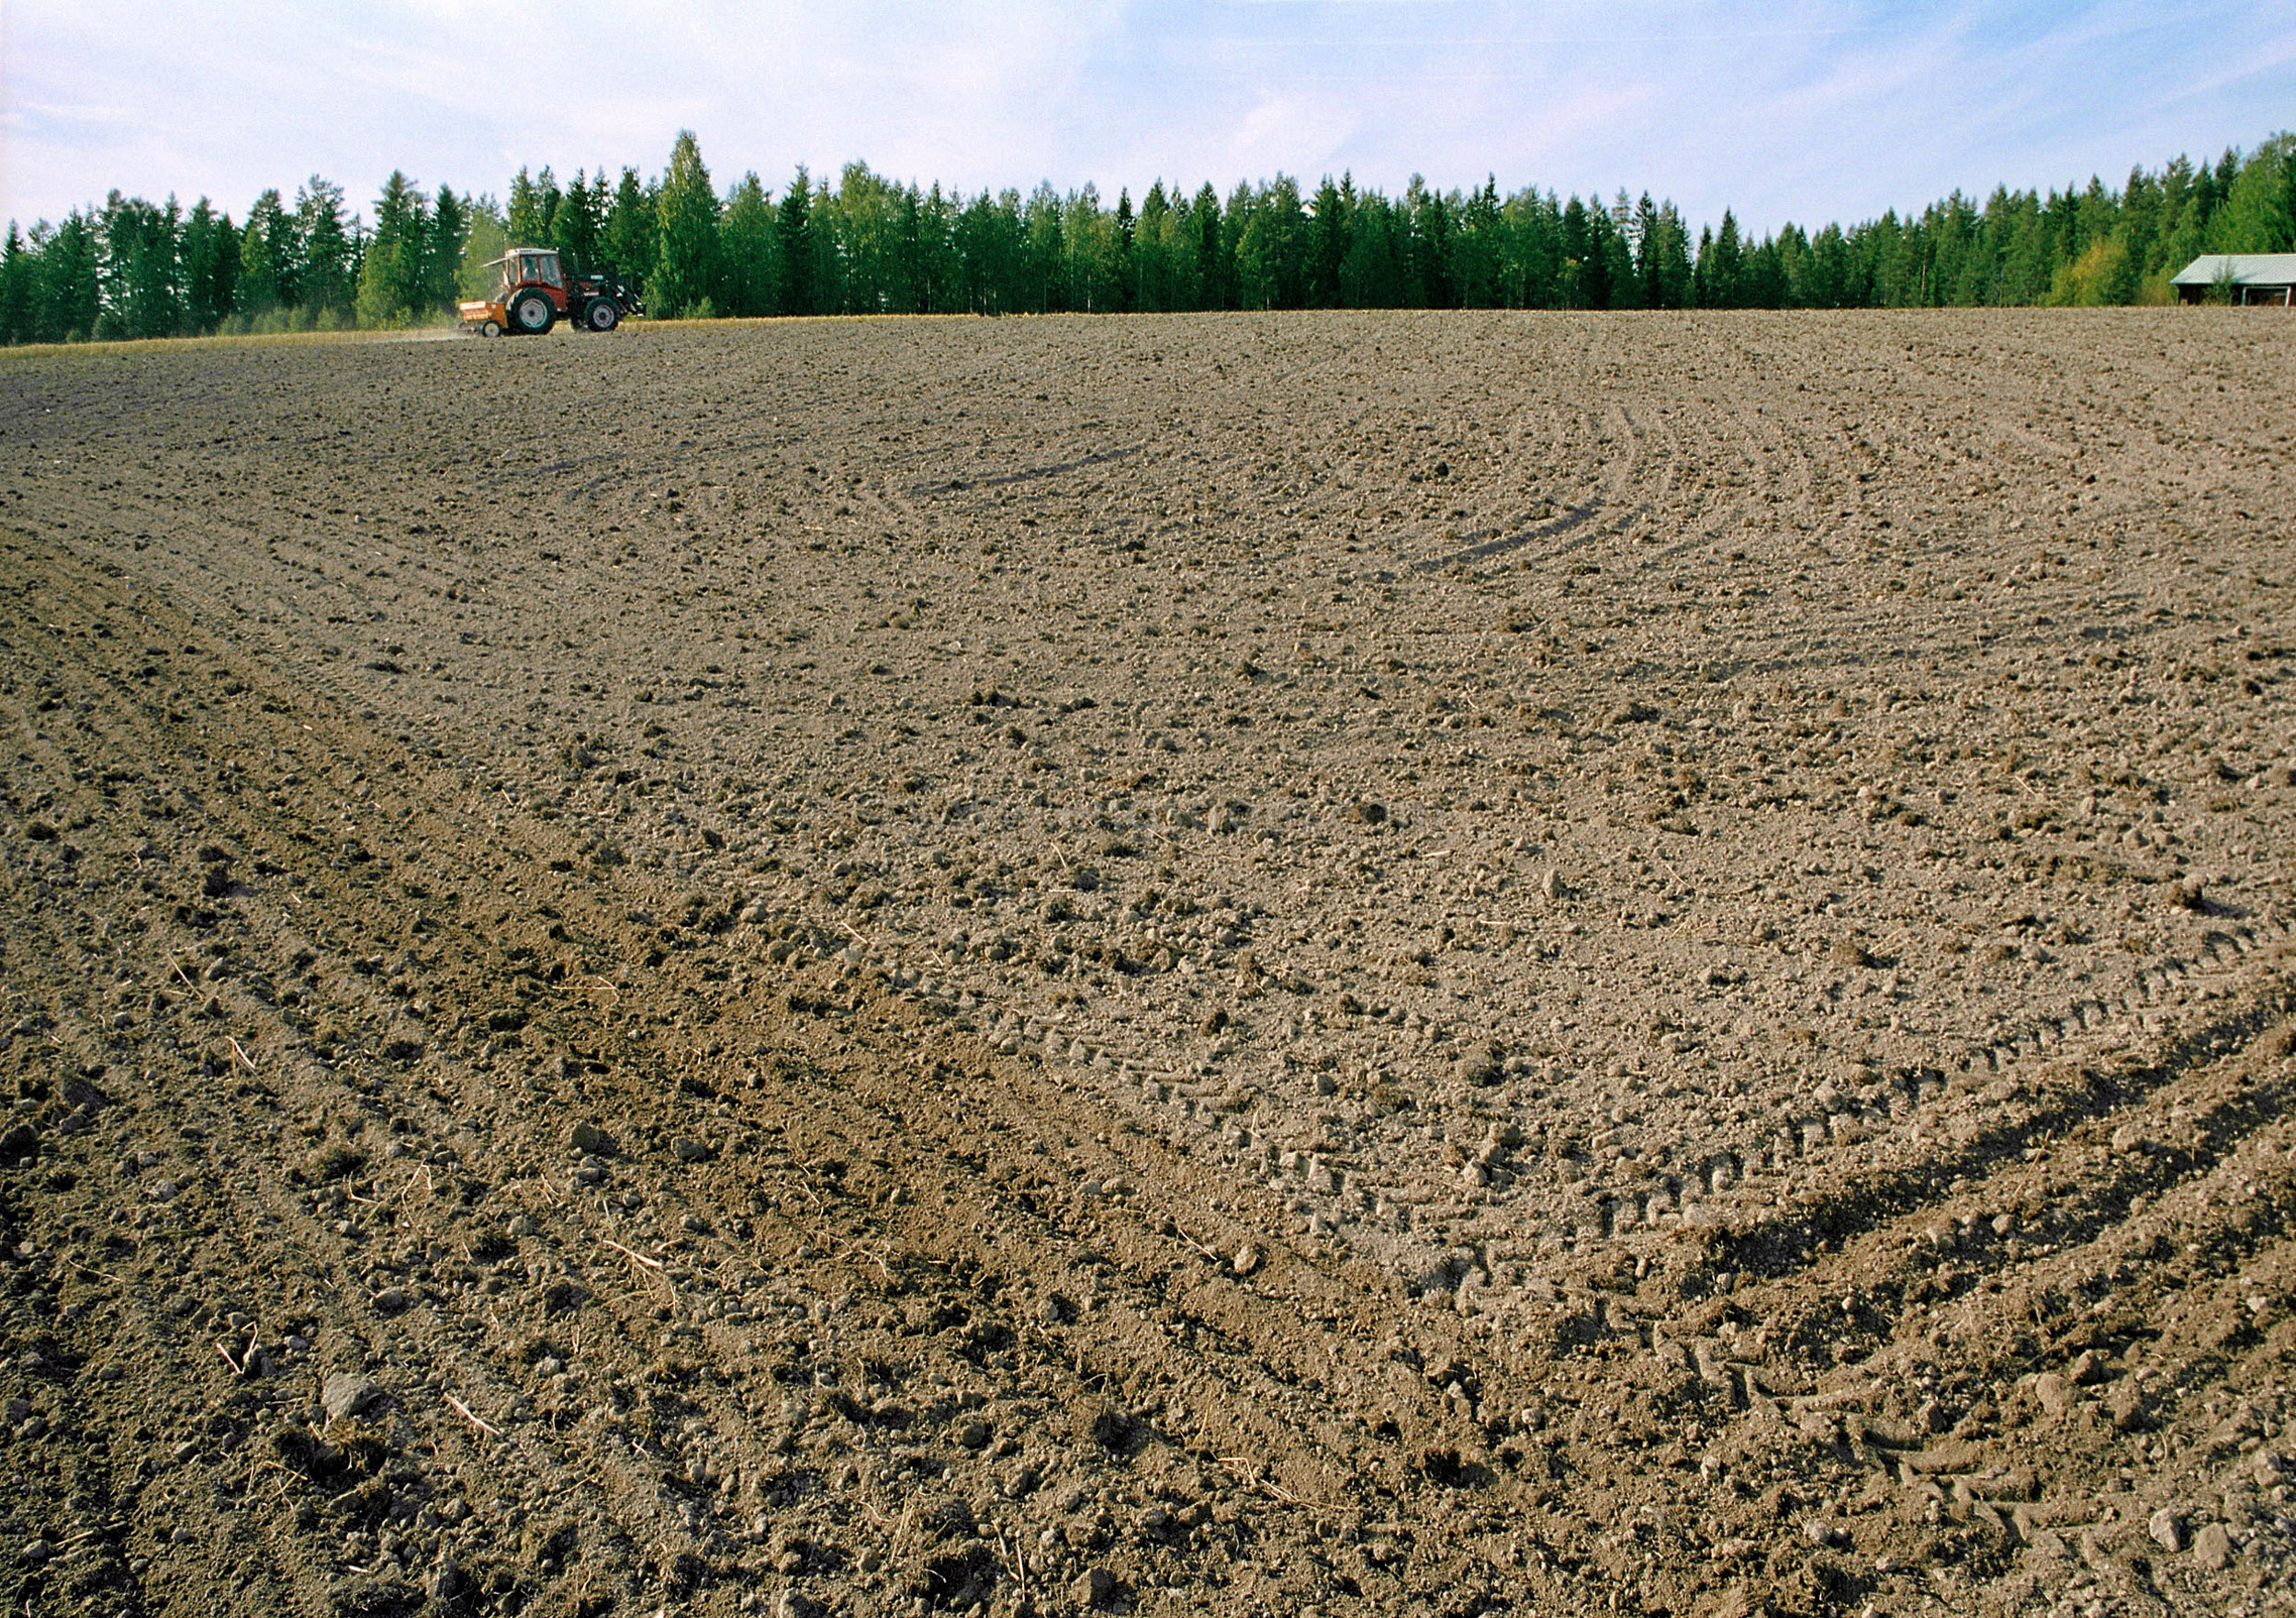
<point>602,316</point>
<point>491,329</point>
<point>532,313</point>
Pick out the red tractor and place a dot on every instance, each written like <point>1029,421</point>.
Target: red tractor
<point>535,294</point>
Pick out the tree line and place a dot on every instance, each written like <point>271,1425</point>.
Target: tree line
<point>868,245</point>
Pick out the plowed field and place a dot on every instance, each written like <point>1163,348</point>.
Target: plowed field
<point>1308,965</point>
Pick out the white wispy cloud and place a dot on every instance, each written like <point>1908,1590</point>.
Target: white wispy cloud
<point>1807,108</point>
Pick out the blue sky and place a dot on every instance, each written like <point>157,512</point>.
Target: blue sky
<point>1809,109</point>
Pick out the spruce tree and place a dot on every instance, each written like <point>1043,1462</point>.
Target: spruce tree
<point>1127,284</point>
<point>1087,237</point>
<point>686,262</point>
<point>531,211</point>
<point>1235,220</point>
<point>794,238</point>
<point>1649,244</point>
<point>1536,248</point>
<point>1046,252</point>
<point>1729,264</point>
<point>271,258</point>
<point>1151,252</point>
<point>1330,229</point>
<point>328,267</point>
<point>1673,256</point>
<point>1210,232</point>
<point>442,259</point>
<point>1479,252</point>
<point>749,273</point>
<point>1432,240</point>
<point>391,275</point>
<point>210,257</point>
<point>70,298</point>
<point>17,268</point>
<point>1286,222</point>
<point>577,227</point>
<point>631,232</point>
<point>139,268</point>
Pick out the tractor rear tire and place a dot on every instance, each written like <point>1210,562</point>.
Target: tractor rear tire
<point>532,313</point>
<point>602,315</point>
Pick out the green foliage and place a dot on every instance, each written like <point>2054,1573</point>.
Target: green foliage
<point>686,266</point>
<point>442,251</point>
<point>17,268</point>
<point>139,275</point>
<point>631,231</point>
<point>872,245</point>
<point>795,238</point>
<point>577,228</point>
<point>330,251</point>
<point>394,275</point>
<point>746,250</point>
<point>271,256</point>
<point>2259,210</point>
<point>532,210</point>
<point>486,238</point>
<point>210,261</point>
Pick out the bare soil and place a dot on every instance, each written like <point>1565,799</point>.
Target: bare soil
<point>1310,965</point>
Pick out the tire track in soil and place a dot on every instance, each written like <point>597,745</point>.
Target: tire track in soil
<point>1251,1354</point>
<point>1680,1419</point>
<point>1155,1285</point>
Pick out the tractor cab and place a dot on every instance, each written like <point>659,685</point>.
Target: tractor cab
<point>532,293</point>
<point>531,266</point>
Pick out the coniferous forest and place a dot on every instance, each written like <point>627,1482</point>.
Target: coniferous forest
<point>867,245</point>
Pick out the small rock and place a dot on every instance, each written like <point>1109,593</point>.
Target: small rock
<point>590,1138</point>
<point>2213,1547</point>
<point>36,1554</point>
<point>1096,1587</point>
<point>1483,1067</point>
<point>390,1300</point>
<point>1248,1259</point>
<point>1819,1532</point>
<point>689,1149</point>
<point>344,1394</point>
<point>972,1433</point>
<point>2125,1405</point>
<point>2166,1530</point>
<point>2054,1393</point>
